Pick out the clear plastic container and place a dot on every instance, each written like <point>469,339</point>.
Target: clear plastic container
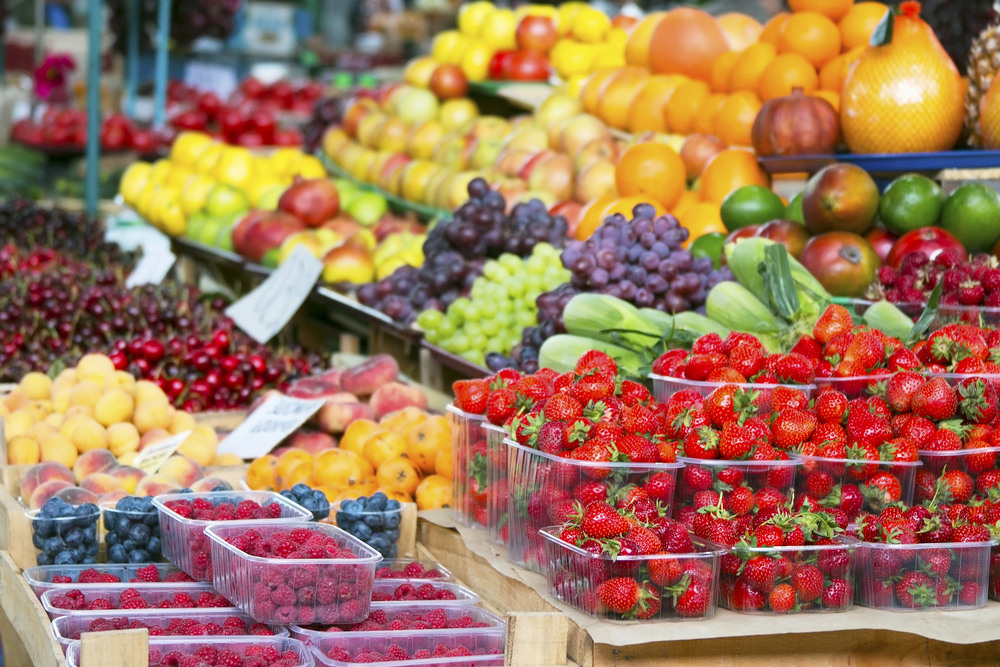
<point>859,386</point>
<point>850,482</point>
<point>954,378</point>
<point>897,576</point>
<point>67,628</point>
<point>973,462</point>
<point>387,587</point>
<point>184,542</point>
<point>469,463</point>
<point>980,316</point>
<point>574,575</point>
<point>406,568</point>
<point>68,540</point>
<point>369,525</point>
<point>812,578</point>
<point>120,527</point>
<point>664,387</point>
<point>497,489</point>
<point>486,650</point>
<point>153,594</point>
<point>188,645</point>
<point>994,584</point>
<point>540,483</point>
<point>40,577</point>
<point>756,475</point>
<point>285,591</point>
<point>495,625</point>
<point>858,307</point>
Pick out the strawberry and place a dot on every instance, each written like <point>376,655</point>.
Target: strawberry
<point>747,598</point>
<point>782,598</point>
<point>633,393</point>
<point>901,388</point>
<point>702,444</point>
<point>987,483</point>
<point>645,540</point>
<point>576,432</point>
<point>593,387</point>
<point>788,398</point>
<point>795,368</point>
<point>562,407</point>
<point>937,562</point>
<point>659,486</point>
<point>915,590</point>
<point>549,437</point>
<point>943,439</point>
<point>739,501</point>
<point>808,582</point>
<point>867,350</point>
<point>649,606</point>
<point>769,535</point>
<point>792,427</point>
<point>501,406</point>
<point>958,486</point>
<point>735,442</point>
<point>882,488</point>
<point>903,359</point>
<point>977,401</point>
<point>639,419</point>
<point>532,388</point>
<point>601,520</point>
<point>707,344</point>
<point>838,594</point>
<point>746,359</point>
<point>620,595</point>
<point>471,395</point>
<point>761,573</point>
<point>595,360</point>
<point>695,600</point>
<point>819,484</point>
<point>664,571</point>
<point>506,377</point>
<point>834,320</point>
<point>700,366</point>
<point>902,450</point>
<point>831,406</point>
<point>807,346</point>
<point>970,533</point>
<point>593,452</point>
<point>935,400</point>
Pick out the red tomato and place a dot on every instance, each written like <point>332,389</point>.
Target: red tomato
<point>528,66</point>
<point>537,33</point>
<point>500,65</point>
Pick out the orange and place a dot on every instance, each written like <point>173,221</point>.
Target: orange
<point>397,495</point>
<point>425,440</point>
<point>260,474</point>
<point>356,434</point>
<point>686,41</point>
<point>590,95</point>
<point>434,492</point>
<point>811,35</point>
<point>338,468</point>
<point>639,38</point>
<point>731,169</point>
<point>734,119</point>
<point>651,170</point>
<point>647,111</point>
<point>772,29</point>
<point>354,492</point>
<point>722,69</point>
<point>745,75</point>
<point>834,73</point>
<point>787,71</point>
<point>383,446</point>
<point>624,205</point>
<point>683,105</point>
<point>398,474</point>
<point>593,216</point>
<point>830,96</point>
<point>741,30</point>
<point>702,218</point>
<point>706,111</point>
<point>859,22</point>
<point>617,97</point>
<point>688,199</point>
<point>832,9</point>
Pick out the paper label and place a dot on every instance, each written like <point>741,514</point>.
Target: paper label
<point>219,79</point>
<point>269,28</point>
<point>152,268</point>
<point>151,458</point>
<point>266,310</point>
<point>268,425</point>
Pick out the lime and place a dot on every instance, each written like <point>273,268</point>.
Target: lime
<point>910,202</point>
<point>972,214</point>
<point>793,211</point>
<point>709,245</point>
<point>750,205</point>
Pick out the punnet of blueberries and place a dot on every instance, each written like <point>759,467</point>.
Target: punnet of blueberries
<point>312,499</point>
<point>65,534</point>
<point>373,520</point>
<point>133,531</point>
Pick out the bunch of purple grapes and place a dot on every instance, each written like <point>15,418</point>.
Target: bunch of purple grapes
<point>456,249</point>
<point>524,356</point>
<point>642,261</point>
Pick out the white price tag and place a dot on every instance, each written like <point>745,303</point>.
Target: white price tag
<point>268,425</point>
<point>263,312</point>
<point>219,79</point>
<point>152,268</point>
<point>151,458</point>
<point>269,28</point>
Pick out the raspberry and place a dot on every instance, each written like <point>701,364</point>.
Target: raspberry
<point>326,591</point>
<point>420,624</point>
<point>352,609</point>
<point>234,622</point>
<point>306,596</point>
<point>283,595</point>
<point>445,594</point>
<point>198,630</point>
<point>202,504</point>
<point>396,652</point>
<point>285,548</point>
<point>395,625</point>
<point>441,650</point>
<point>225,512</point>
<point>403,591</point>
<point>129,593</point>
<point>172,658</point>
<point>120,623</point>
<point>228,658</point>
<point>246,509</point>
<point>367,656</point>
<point>181,507</point>
<point>381,596</point>
<point>177,577</point>
<point>421,654</point>
<point>367,626</point>
<point>191,661</point>
<point>290,655</point>
<point>433,573</point>
<point>100,625</point>
<point>148,574</point>
<point>272,511</point>
<point>158,632</point>
<point>438,618</point>
<point>379,616</point>
<point>254,661</point>
<point>286,615</point>
<point>461,622</point>
<point>99,603</point>
<point>270,654</point>
<point>133,603</point>
<point>89,576</point>
<point>300,535</point>
<point>61,579</point>
<point>303,575</point>
<point>426,591</point>
<point>213,629</point>
<point>207,653</point>
<point>274,576</point>
<point>339,653</point>
<point>183,600</point>
<point>459,651</point>
<point>263,608</point>
<point>307,615</point>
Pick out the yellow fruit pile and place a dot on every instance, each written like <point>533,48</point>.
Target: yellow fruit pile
<point>93,407</point>
<point>407,456</point>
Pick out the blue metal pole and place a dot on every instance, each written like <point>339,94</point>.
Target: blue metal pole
<point>162,48</point>
<point>132,56</point>
<point>94,8</point>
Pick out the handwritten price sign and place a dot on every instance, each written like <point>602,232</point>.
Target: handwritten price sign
<point>268,425</point>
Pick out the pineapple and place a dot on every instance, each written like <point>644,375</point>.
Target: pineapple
<point>983,64</point>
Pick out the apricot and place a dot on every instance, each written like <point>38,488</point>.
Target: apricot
<point>287,462</point>
<point>228,459</point>
<point>60,401</point>
<point>434,492</point>
<point>208,483</point>
<point>337,467</point>
<point>85,393</point>
<point>398,474</point>
<point>114,407</point>
<point>93,461</point>
<point>382,446</point>
<point>121,380</point>
<point>55,420</point>
<point>17,424</point>
<point>40,431</point>
<point>88,434</point>
<point>261,473</point>
<point>23,449</point>
<point>401,420</point>
<point>180,422</point>
<point>443,464</point>
<point>64,381</point>
<point>122,438</point>
<point>94,366</point>
<point>182,470</point>
<point>300,474</point>
<point>357,434</point>
<point>36,385</point>
<point>57,447</point>
<point>128,476</point>
<point>152,414</point>
<point>197,448</point>
<point>148,392</point>
<point>425,440</point>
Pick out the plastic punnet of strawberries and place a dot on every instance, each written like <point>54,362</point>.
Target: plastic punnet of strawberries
<point>961,349</point>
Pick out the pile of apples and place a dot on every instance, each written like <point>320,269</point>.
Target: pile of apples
<point>66,128</point>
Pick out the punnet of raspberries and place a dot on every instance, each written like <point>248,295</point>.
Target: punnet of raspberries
<point>409,569</point>
<point>396,652</point>
<point>386,619</point>
<point>964,282</point>
<point>411,592</point>
<point>144,574</point>
<point>139,597</point>
<point>230,654</point>
<point>177,626</point>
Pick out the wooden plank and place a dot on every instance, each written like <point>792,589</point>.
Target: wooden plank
<point>123,648</point>
<point>28,618</point>
<point>15,529</point>
<point>535,639</point>
<point>14,653</point>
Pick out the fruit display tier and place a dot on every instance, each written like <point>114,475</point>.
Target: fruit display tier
<point>882,163</point>
<point>860,634</point>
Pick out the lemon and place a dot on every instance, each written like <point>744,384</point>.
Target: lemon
<point>499,32</point>
<point>567,12</point>
<point>570,58</point>
<point>134,181</point>
<point>235,167</point>
<point>285,160</point>
<point>591,26</point>
<point>472,16</point>
<point>444,45</point>
<point>476,61</point>
<point>195,193</point>
<point>310,167</point>
<point>160,170</point>
<point>189,146</point>
<point>208,159</point>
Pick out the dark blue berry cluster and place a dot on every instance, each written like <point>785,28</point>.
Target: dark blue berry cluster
<point>373,520</point>
<point>66,534</point>
<point>312,499</point>
<point>133,531</point>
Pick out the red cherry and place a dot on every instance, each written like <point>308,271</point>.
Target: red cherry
<point>153,350</point>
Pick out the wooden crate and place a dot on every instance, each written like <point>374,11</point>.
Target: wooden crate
<point>858,637</point>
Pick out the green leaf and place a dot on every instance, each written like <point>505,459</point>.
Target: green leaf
<point>923,323</point>
<point>778,282</point>
<point>882,35</point>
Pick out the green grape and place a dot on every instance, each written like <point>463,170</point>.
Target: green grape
<point>474,357</point>
<point>545,250</point>
<point>497,344</point>
<point>473,312</point>
<point>524,319</point>
<point>457,343</point>
<point>513,338</point>
<point>493,271</point>
<point>535,264</point>
<point>532,294</point>
<point>516,288</point>
<point>490,325</point>
<point>510,262</point>
<point>458,307</point>
<point>477,341</point>
<point>446,328</point>
<point>504,306</point>
<point>432,336</point>
<point>430,319</point>
<point>473,328</point>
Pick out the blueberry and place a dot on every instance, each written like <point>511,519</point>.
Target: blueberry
<point>90,560</point>
<point>351,510</point>
<point>118,554</point>
<point>392,534</point>
<point>73,538</point>
<point>110,520</point>
<point>301,489</point>
<point>37,540</point>
<point>151,519</point>
<point>393,551</point>
<point>112,538</point>
<point>342,519</point>
<point>86,510</point>
<point>184,490</point>
<point>361,531</point>
<point>63,558</point>
<point>43,527</point>
<point>377,501</point>
<point>392,519</point>
<point>76,554</point>
<point>392,504</point>
<point>54,545</point>
<point>375,520</point>
<point>43,559</point>
<point>139,533</point>
<point>122,529</point>
<point>379,542</point>
<point>130,545</point>
<point>285,493</point>
<point>138,556</point>
<point>154,547</point>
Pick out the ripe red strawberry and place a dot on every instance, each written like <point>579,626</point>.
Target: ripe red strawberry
<point>769,535</point>
<point>792,427</point>
<point>501,406</point>
<point>882,488</point>
<point>819,484</point>
<point>935,400</point>
<point>761,573</point>
<point>562,407</point>
<point>978,401</point>
<point>808,582</point>
<point>782,598</point>
<point>639,419</point>
<point>788,398</point>
<point>838,594</point>
<point>807,346</point>
<point>576,432</point>
<point>739,501</point>
<point>707,344</point>
<point>532,388</point>
<point>987,482</point>
<point>664,571</point>
<point>943,440</point>
<point>471,395</point>
<point>746,359</point>
<point>958,486</point>
<point>702,444</point>
<point>901,388</point>
<point>834,320</point>
<point>695,600</point>
<point>735,442</point>
<point>915,590</point>
<point>970,533</point>
<point>593,387</point>
<point>595,360</point>
<point>593,452</point>
<point>831,406</point>
<point>645,540</point>
<point>633,393</point>
<point>638,449</point>
<point>649,605</point>
<point>601,520</point>
<point>901,450</point>
<point>619,595</point>
<point>795,368</point>
<point>903,359</point>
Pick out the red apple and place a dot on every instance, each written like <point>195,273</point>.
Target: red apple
<point>252,88</point>
<point>528,66</point>
<point>143,142</point>
<point>843,262</point>
<point>287,137</point>
<point>268,233</point>
<point>264,124</point>
<point>283,92</point>
<point>312,201</point>
<point>209,104</point>
<point>190,120</point>
<point>929,240</point>
<point>233,123</point>
<point>500,65</point>
<point>882,241</point>
<point>537,33</point>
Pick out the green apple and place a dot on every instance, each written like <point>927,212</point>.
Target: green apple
<point>367,208</point>
<point>224,200</point>
<point>224,241</point>
<point>347,190</point>
<point>210,230</point>
<point>269,198</point>
<point>195,223</point>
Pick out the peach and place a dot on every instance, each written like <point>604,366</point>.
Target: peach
<point>59,448</point>
<point>114,407</point>
<point>79,411</point>
<point>55,420</point>
<point>36,385</point>
<point>17,424</point>
<point>93,366</point>
<point>199,448</point>
<point>312,388</point>
<point>228,459</point>
<point>46,471</point>
<point>89,434</point>
<point>181,469</point>
<point>74,495</point>
<point>85,393</point>
<point>113,497</point>
<point>45,491</point>
<point>152,414</point>
<point>209,484</point>
<point>180,422</point>
<point>40,431</point>
<point>366,377</point>
<point>64,381</point>
<point>155,485</point>
<point>23,449</point>
<point>128,476</point>
<point>120,380</point>
<point>313,442</point>
<point>93,461</point>
<point>148,392</point>
<point>152,437</point>
<point>122,438</point>
<point>337,414</point>
<point>396,396</point>
<point>101,483</point>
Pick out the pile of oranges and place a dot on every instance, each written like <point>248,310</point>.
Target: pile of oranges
<point>407,456</point>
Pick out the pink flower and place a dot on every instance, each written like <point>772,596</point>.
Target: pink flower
<point>51,75</point>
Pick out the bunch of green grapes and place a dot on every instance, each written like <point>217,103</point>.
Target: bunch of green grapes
<point>499,306</point>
